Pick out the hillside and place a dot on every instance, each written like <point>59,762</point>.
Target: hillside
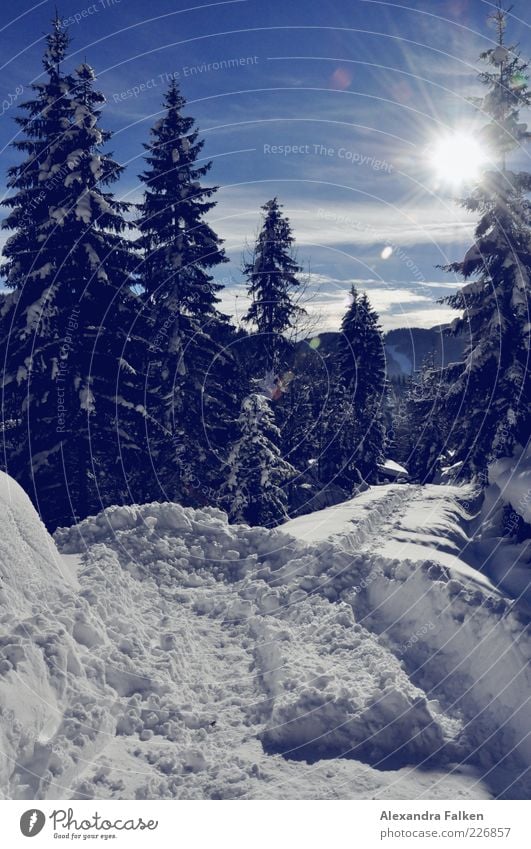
<point>406,348</point>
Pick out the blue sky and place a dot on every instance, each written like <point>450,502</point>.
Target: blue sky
<point>331,106</point>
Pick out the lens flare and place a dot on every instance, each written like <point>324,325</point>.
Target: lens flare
<point>458,159</point>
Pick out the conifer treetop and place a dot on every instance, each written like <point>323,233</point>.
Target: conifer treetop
<point>57,42</point>
<point>273,275</point>
<point>179,246</point>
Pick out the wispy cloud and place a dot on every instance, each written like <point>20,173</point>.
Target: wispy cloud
<point>397,305</point>
<point>336,222</point>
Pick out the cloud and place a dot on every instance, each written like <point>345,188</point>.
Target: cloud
<point>396,304</point>
<point>325,221</point>
<point>429,317</point>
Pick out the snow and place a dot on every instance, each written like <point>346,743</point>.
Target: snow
<point>105,207</point>
<point>394,468</point>
<point>512,478</point>
<point>33,648</point>
<point>96,166</point>
<point>86,71</point>
<point>403,361</point>
<point>415,524</point>
<point>425,566</point>
<point>499,55</point>
<point>73,177</point>
<point>44,170</point>
<point>34,312</point>
<point>349,522</point>
<point>74,157</point>
<point>472,259</point>
<point>58,214</point>
<point>92,256</point>
<point>83,208</point>
<point>95,262</point>
<point>84,117</point>
<point>506,502</point>
<point>22,374</point>
<point>44,271</point>
<point>86,399</point>
<point>167,654</point>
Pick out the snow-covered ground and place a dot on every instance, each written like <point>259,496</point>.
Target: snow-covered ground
<point>158,652</point>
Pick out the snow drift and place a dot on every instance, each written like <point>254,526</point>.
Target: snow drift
<point>167,654</point>
<point>511,476</point>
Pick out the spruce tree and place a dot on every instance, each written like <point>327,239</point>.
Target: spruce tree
<point>361,350</point>
<point>299,433</point>
<point>28,273</point>
<point>361,369</point>
<point>489,395</point>
<point>192,374</point>
<point>401,436</point>
<point>258,476</point>
<point>422,430</point>
<point>298,437</point>
<point>66,321</point>
<point>338,435</point>
<point>273,279</point>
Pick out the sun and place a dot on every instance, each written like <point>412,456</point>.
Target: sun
<point>458,158</point>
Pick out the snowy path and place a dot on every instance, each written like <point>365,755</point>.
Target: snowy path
<point>408,522</point>
<point>170,655</point>
<point>476,665</point>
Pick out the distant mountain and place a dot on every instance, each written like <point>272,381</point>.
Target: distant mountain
<point>407,347</point>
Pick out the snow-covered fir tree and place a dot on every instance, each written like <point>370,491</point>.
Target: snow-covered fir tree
<point>361,365</point>
<point>273,276</point>
<point>258,475</point>
<point>299,439</point>
<point>399,437</point>
<point>24,269</point>
<point>66,320</point>
<point>421,429</point>
<point>361,349</point>
<point>191,373</point>
<point>489,395</point>
<point>338,433</point>
<point>294,413</point>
